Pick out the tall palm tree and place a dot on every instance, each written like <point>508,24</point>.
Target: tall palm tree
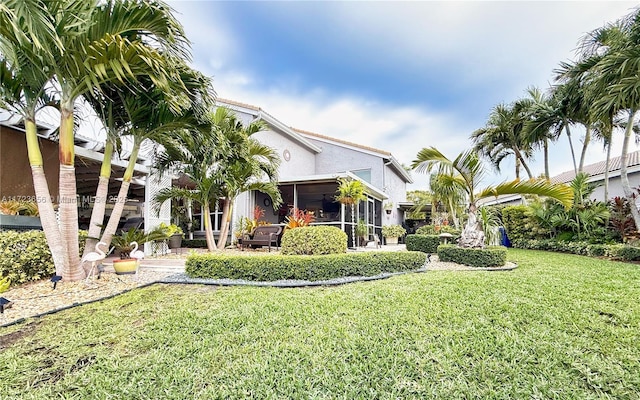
<point>503,136</point>
<point>81,45</point>
<point>246,164</point>
<point>466,172</point>
<point>193,153</point>
<point>351,192</point>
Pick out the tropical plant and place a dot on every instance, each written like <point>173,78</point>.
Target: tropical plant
<point>620,219</point>
<point>192,154</point>
<point>466,171</point>
<point>299,218</point>
<point>351,192</point>
<point>245,164</point>
<point>171,229</point>
<point>124,241</point>
<point>4,284</point>
<point>452,197</point>
<point>391,231</point>
<point>69,48</point>
<point>490,221</point>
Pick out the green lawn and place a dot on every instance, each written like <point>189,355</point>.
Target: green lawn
<point>559,326</point>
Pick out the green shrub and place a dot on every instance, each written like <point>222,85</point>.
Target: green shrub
<point>299,267</point>
<point>25,256</point>
<point>493,256</point>
<point>314,240</point>
<point>390,231</point>
<point>521,224</point>
<point>431,230</point>
<point>616,251</point>
<point>424,243</point>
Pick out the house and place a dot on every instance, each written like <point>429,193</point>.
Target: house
<point>308,174</point>
<point>309,171</point>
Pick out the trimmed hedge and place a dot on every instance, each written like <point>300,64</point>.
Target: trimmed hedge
<point>314,240</point>
<point>431,230</point>
<point>615,251</point>
<point>424,243</point>
<point>493,256</point>
<point>298,267</point>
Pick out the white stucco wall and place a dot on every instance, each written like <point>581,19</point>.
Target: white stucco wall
<point>301,161</point>
<point>334,158</point>
<point>396,189</point>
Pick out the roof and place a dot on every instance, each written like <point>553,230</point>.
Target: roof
<point>319,136</point>
<point>596,169</point>
<point>238,104</point>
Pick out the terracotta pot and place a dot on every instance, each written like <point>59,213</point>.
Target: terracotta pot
<point>126,267</point>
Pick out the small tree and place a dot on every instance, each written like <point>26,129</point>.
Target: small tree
<point>351,192</point>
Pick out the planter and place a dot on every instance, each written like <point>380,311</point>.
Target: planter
<point>391,240</point>
<point>388,212</point>
<point>127,266</point>
<point>175,241</point>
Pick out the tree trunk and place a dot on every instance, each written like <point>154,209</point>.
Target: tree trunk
<point>545,149</point>
<point>68,205</point>
<point>44,200</point>
<point>121,200</point>
<point>208,230</point>
<point>573,154</point>
<point>607,166</point>
<point>353,225</point>
<point>585,144</point>
<point>224,225</point>
<point>517,168</point>
<point>623,169</point>
<point>100,202</point>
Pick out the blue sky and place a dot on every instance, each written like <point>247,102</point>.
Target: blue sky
<point>398,76</point>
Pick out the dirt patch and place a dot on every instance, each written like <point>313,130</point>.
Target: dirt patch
<point>10,338</point>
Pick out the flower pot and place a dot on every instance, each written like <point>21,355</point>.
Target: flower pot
<point>126,267</point>
<point>388,212</point>
<point>391,240</point>
<point>175,241</point>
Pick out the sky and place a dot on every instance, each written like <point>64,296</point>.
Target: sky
<point>397,76</point>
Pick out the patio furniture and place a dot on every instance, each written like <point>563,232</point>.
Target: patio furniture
<point>264,235</point>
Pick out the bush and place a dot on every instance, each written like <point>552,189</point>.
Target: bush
<point>520,224</point>
<point>314,240</point>
<point>423,243</point>
<point>390,231</point>
<point>431,230</point>
<point>616,251</point>
<point>493,256</point>
<point>299,267</point>
<point>25,256</point>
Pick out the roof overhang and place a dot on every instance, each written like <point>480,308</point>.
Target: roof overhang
<point>370,189</point>
<point>391,160</point>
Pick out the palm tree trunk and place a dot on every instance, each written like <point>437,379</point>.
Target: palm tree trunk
<point>118,207</point>
<point>208,230</point>
<point>68,207</point>
<point>623,169</point>
<point>353,225</point>
<point>545,149</point>
<point>100,202</point>
<point>585,144</point>
<point>44,200</point>
<point>224,225</point>
<point>517,168</point>
<point>606,172</point>
<point>573,153</point>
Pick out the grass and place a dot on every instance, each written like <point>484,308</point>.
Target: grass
<point>559,326</point>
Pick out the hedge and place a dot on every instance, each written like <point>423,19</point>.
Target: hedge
<point>424,243</point>
<point>314,240</point>
<point>298,267</point>
<point>615,251</point>
<point>194,243</point>
<point>431,230</point>
<point>493,256</point>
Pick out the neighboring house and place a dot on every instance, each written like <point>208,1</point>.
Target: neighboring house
<point>596,177</point>
<point>308,175</point>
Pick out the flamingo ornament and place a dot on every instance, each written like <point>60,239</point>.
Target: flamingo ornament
<point>137,254</point>
<point>93,257</point>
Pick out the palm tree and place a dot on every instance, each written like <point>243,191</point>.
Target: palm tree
<point>193,154</point>
<point>351,192</point>
<point>503,136</point>
<point>245,165</point>
<point>452,197</point>
<point>466,172</point>
<point>81,45</point>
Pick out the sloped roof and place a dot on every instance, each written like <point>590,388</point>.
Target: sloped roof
<point>633,159</point>
<point>360,146</point>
